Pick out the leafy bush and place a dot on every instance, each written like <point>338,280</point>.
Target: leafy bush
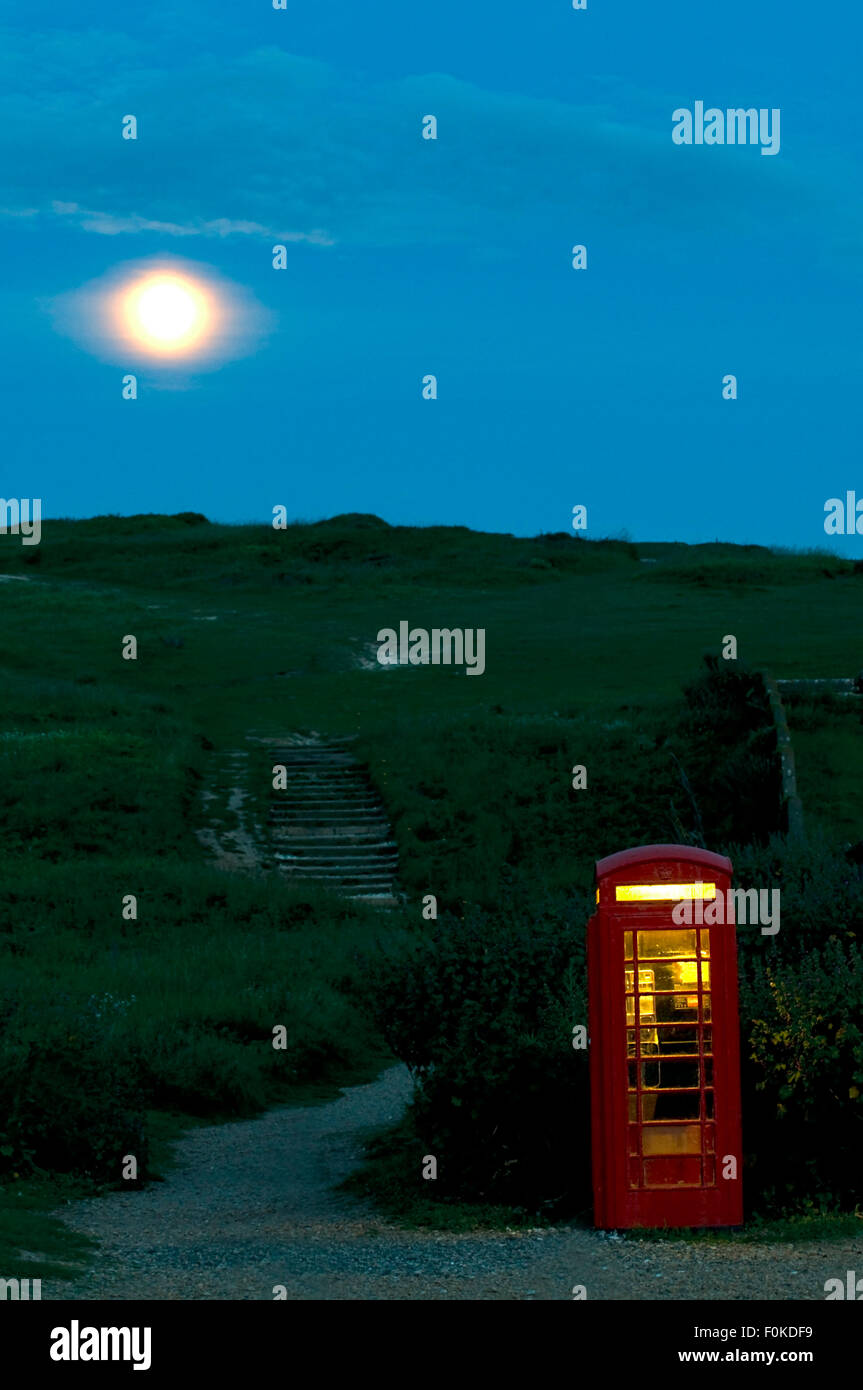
<point>725,749</point>
<point>803,1078</point>
<point>482,1013</point>
<point>202,1074</point>
<point>69,1099</point>
<point>801,1012</point>
<point>821,894</point>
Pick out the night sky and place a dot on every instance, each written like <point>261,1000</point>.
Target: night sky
<point>453,257</point>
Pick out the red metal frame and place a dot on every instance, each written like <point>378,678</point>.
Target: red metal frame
<point>647,1170</point>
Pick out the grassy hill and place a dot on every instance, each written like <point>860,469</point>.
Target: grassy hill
<point>111,1024</point>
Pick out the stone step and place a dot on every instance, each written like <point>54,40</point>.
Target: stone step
<point>324,803</point>
<point>325,809</point>
<point>321,847</point>
<point>372,863</point>
<point>379,859</point>
<point>323,833</point>
<point>328,784</point>
<point>300,813</point>
<point>329,818</point>
<point>329,824</point>
<point>336,774</point>
<point>362,808</point>
<point>342,882</point>
<point>294,791</point>
<point>337,827</point>
<point>292,807</point>
<point>323,850</point>
<point>307,750</point>
<point>363,817</point>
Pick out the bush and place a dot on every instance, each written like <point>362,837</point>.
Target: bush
<point>482,1013</point>
<point>803,1078</point>
<point>801,1012</point>
<point>193,1071</point>
<point>821,894</point>
<point>69,1100</point>
<point>725,749</point>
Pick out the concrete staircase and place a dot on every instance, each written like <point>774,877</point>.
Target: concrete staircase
<point>329,824</point>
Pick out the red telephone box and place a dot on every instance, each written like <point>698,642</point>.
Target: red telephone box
<point>664,1041</point>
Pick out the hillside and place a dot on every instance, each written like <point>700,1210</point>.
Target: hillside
<point>244,632</point>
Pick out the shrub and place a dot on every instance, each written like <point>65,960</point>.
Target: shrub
<point>803,1078</point>
<point>483,1013</point>
<point>725,748</point>
<point>191,1070</point>
<point>821,894</point>
<point>69,1100</point>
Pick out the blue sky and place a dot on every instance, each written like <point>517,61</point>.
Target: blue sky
<point>450,257</point>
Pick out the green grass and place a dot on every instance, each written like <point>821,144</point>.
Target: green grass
<point>791,1230</point>
<point>34,1243</point>
<point>827,736</point>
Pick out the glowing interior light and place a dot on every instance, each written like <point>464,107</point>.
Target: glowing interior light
<point>662,892</point>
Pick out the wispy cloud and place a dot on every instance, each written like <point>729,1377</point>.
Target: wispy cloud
<point>267,144</point>
<point>111,224</point>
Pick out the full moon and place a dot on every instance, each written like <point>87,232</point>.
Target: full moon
<point>167,313</point>
<point>177,316</point>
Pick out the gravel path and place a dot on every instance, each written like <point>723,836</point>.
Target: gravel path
<point>252,1205</point>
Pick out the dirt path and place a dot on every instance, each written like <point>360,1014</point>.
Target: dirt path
<point>252,1206</point>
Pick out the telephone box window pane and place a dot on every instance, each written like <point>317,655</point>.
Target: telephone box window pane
<point>674,1039</point>
<point>708,1071</point>
<point>649,1042</point>
<point>645,1007</point>
<point>685,974</point>
<point>627,945</point>
<point>678,1105</point>
<point>705,943</point>
<point>650,1074</point>
<point>677,1008</point>
<point>675,1075</point>
<point>654,945</point>
<point>646,980</point>
<point>671,1139</point>
<point>671,975</point>
<point>648,1106</point>
<point>706,999</point>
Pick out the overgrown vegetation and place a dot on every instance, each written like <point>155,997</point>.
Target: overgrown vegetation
<point>111,1024</point>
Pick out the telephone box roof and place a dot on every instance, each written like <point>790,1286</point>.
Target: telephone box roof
<point>651,853</point>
